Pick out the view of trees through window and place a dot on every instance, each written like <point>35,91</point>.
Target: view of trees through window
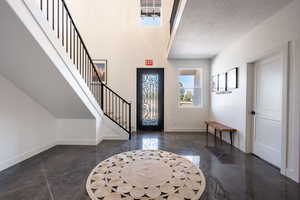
<point>189,88</point>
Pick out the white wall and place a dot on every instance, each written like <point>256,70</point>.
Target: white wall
<point>186,119</point>
<point>76,131</point>
<point>111,31</point>
<point>231,109</point>
<point>26,128</point>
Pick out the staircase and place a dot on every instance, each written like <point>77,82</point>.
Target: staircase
<point>61,22</point>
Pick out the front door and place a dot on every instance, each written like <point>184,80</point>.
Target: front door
<point>150,99</point>
<point>267,109</point>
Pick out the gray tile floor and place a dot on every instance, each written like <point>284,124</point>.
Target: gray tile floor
<point>60,173</point>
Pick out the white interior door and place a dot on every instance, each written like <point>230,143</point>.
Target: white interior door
<point>267,125</point>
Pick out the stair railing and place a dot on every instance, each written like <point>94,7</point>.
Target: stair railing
<point>114,106</point>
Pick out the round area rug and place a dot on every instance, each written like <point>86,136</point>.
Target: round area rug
<point>145,175</point>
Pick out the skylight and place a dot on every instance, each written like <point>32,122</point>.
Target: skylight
<point>150,12</point>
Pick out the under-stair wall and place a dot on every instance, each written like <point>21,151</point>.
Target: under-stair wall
<point>44,99</point>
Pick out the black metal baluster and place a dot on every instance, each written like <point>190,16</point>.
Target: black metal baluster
<point>86,67</point>
<point>125,123</point>
<point>113,105</point>
<point>109,103</point>
<point>129,121</point>
<point>123,114</point>
<point>116,107</point>
<point>102,99</point>
<point>119,110</point>
<point>62,26</point>
<point>47,11</point>
<point>88,73</point>
<point>71,40</point>
<point>107,100</point>
<point>96,92</point>
<point>53,14</point>
<point>106,103</point>
<point>86,78</point>
<point>77,54</point>
<point>83,60</point>
<point>73,44</point>
<point>99,90</point>
<point>58,18</point>
<point>67,42</point>
<point>91,73</point>
<point>41,5</point>
<point>79,57</point>
<point>93,82</point>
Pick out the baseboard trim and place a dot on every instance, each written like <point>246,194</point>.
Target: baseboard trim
<point>292,175</point>
<point>185,130</point>
<point>77,142</point>
<point>115,137</point>
<point>99,140</point>
<point>20,158</point>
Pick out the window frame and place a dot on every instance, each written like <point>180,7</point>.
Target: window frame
<point>200,87</point>
<point>149,26</point>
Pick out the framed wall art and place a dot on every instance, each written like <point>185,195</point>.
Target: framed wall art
<point>101,69</point>
<point>214,83</point>
<point>232,79</point>
<point>222,82</point>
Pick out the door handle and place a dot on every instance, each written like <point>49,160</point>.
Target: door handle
<point>253,112</point>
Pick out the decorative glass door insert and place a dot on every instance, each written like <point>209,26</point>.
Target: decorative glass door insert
<point>150,99</point>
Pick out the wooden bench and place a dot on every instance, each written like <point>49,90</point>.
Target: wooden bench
<point>221,128</point>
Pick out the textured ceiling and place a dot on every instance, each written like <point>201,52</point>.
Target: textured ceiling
<point>208,26</point>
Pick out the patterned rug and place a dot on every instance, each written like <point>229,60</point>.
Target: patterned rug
<point>145,175</point>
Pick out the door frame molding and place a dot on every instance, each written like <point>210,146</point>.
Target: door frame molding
<point>284,52</point>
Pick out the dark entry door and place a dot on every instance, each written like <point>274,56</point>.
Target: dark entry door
<point>150,99</point>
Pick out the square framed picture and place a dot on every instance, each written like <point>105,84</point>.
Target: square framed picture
<point>232,79</point>
<point>214,83</point>
<point>101,69</point>
<point>222,82</point>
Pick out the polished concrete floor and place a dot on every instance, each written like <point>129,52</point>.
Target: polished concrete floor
<point>60,173</point>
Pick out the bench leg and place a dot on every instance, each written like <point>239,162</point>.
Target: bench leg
<point>215,133</point>
<point>231,138</point>
<point>221,137</point>
<point>207,134</point>
<point>207,129</point>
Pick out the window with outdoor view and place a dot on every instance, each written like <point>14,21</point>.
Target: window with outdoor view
<point>150,12</point>
<point>189,87</point>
